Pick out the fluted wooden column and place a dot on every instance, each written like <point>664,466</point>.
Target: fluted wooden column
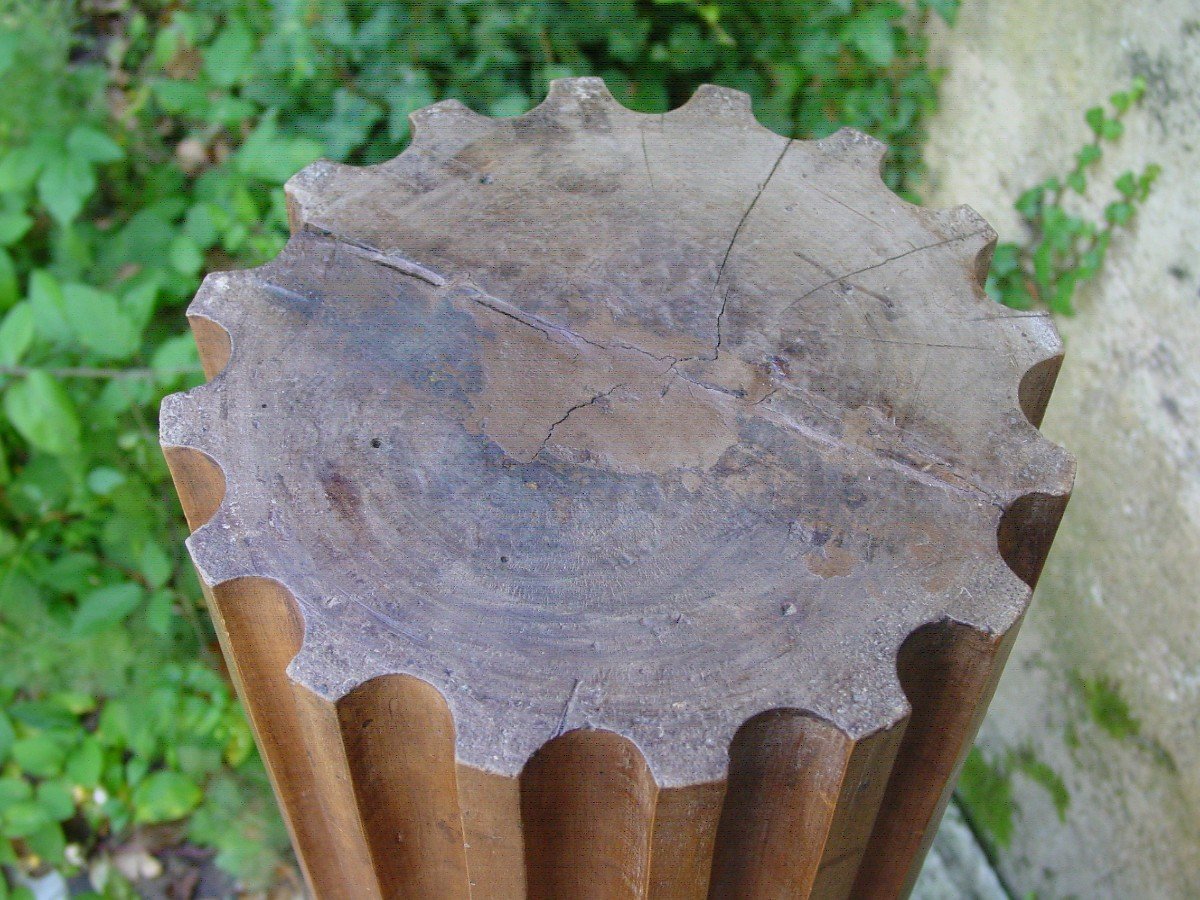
<point>604,505</point>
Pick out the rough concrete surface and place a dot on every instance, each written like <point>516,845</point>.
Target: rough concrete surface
<point>1117,615</point>
<point>956,868</point>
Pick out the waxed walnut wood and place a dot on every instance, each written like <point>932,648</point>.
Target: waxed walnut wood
<point>597,504</point>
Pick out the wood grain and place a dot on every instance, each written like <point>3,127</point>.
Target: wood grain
<point>597,504</point>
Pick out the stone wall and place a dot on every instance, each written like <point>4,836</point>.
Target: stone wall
<point>1104,685</point>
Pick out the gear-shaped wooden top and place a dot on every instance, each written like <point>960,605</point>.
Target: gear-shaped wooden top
<point>639,422</point>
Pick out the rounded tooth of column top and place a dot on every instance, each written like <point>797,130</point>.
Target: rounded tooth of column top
<point>308,188</point>
<point>223,296</point>
<point>723,102</point>
<point>569,93</point>
<point>973,235</point>
<point>183,419</point>
<point>217,553</point>
<point>851,143</point>
<point>442,115</point>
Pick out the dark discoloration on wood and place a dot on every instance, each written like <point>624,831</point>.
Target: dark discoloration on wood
<point>604,424</point>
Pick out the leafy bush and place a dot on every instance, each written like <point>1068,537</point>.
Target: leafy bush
<point>143,142</point>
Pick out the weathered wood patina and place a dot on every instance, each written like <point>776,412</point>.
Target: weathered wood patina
<point>598,504</point>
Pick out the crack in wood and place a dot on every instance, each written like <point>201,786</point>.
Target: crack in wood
<point>873,266</point>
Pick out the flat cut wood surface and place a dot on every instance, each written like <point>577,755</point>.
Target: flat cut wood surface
<point>644,425</point>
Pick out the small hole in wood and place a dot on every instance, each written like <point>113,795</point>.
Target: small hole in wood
<point>504,559</point>
<point>376,443</point>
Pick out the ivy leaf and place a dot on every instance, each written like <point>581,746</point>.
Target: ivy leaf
<point>65,184</point>
<point>986,791</point>
<point>7,736</point>
<point>23,818</point>
<point>228,60</point>
<point>273,157</point>
<point>155,565</point>
<point>351,123</point>
<point>872,34</point>
<point>1118,213</point>
<point>99,323</point>
<point>16,334</point>
<point>1095,119</point>
<point>105,607</point>
<point>43,414</point>
<point>13,227</point>
<point>49,307</point>
<point>40,755</point>
<point>55,798</point>
<point>19,167</point>
<point>85,765</point>
<point>165,796</point>
<point>92,145</point>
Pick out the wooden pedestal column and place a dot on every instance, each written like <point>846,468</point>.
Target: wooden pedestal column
<point>604,505</point>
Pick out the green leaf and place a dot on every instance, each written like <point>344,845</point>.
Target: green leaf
<point>85,765</point>
<point>54,796</point>
<point>174,357</point>
<point>7,736</point>
<point>48,842</point>
<point>1121,101</point>
<point>873,35</point>
<point>229,59</point>
<point>43,414</point>
<point>105,607</point>
<point>1127,184</point>
<point>273,157</point>
<point>181,97</point>
<point>1113,129</point>
<point>10,43</point>
<point>1118,213</point>
<point>350,125</point>
<point>986,791</point>
<point>93,145</point>
<point>1029,203</point>
<point>24,818</point>
<point>16,334</point>
<point>1095,118</point>
<point>165,796</point>
<point>65,185</point>
<point>49,307</point>
<point>1077,182</point>
<point>9,287</point>
<point>104,480</point>
<point>1005,258</point>
<point>99,323</point>
<point>1048,779</point>
<point>13,227</point>
<point>1089,154</point>
<point>39,755</point>
<point>185,256</point>
<point>19,168</point>
<point>13,790</point>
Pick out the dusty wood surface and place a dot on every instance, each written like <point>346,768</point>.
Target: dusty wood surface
<point>625,440</point>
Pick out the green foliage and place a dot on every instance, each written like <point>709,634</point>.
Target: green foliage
<point>144,142</point>
<point>985,790</point>
<point>1064,250</point>
<point>1107,707</point>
